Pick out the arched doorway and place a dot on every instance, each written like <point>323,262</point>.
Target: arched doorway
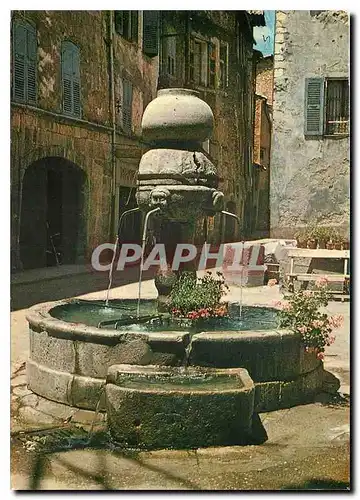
<point>52,229</point>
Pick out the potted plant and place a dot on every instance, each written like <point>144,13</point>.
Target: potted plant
<point>322,235</point>
<point>301,238</point>
<point>346,243</point>
<point>303,314</point>
<point>330,243</point>
<point>197,299</point>
<point>337,240</point>
<point>312,239</point>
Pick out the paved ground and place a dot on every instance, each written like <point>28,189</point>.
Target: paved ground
<point>308,446</point>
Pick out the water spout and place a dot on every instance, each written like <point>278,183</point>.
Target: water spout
<point>111,270</point>
<point>229,214</point>
<point>142,254</point>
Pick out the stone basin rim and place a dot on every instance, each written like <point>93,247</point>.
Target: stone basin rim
<point>39,317</point>
<point>150,372</point>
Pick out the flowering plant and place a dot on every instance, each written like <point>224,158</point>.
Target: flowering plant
<point>302,314</point>
<point>198,298</point>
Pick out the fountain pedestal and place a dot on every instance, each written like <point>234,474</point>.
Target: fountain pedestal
<point>177,176</point>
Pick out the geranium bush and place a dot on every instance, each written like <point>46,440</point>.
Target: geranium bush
<point>199,298</point>
<point>302,314</point>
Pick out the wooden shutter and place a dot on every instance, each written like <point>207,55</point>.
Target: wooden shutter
<point>19,62</point>
<point>134,25</point>
<point>31,65</point>
<point>24,63</point>
<point>119,22</point>
<point>151,32</point>
<point>70,63</point>
<point>127,105</point>
<point>314,106</point>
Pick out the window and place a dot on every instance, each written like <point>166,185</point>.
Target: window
<point>24,63</point>
<point>337,107</point>
<point>70,69</point>
<point>224,65</point>
<point>212,65</point>
<point>127,95</point>
<point>326,106</point>
<point>126,24</point>
<point>198,61</point>
<point>151,32</point>
<point>169,55</point>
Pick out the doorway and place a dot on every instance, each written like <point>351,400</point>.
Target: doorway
<point>52,214</point>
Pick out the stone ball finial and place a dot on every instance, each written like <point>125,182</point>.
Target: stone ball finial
<point>177,115</point>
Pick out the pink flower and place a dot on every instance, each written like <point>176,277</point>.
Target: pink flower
<point>320,355</point>
<point>302,329</point>
<point>277,303</point>
<point>321,282</point>
<point>272,282</point>
<point>331,340</point>
<point>336,321</point>
<point>318,323</point>
<point>308,293</point>
<point>285,305</point>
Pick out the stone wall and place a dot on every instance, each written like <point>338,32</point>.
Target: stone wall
<point>230,146</point>
<point>309,175</point>
<point>42,131</point>
<point>265,78</point>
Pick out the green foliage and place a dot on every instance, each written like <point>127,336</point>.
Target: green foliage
<point>302,314</point>
<point>198,297</point>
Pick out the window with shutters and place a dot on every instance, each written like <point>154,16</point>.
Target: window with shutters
<point>70,69</point>
<point>126,24</point>
<point>151,32</point>
<point>126,106</point>
<point>326,107</point>
<point>24,81</point>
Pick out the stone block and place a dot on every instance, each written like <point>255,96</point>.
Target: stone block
<point>86,392</point>
<point>95,359</point>
<point>264,354</point>
<point>267,396</point>
<point>49,383</point>
<point>57,353</point>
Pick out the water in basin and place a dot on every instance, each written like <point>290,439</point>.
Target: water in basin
<point>91,314</point>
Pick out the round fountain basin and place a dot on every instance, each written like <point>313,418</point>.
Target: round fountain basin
<point>69,359</point>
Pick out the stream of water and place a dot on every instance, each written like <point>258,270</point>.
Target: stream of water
<point>142,254</point>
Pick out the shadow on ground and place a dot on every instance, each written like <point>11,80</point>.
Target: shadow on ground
<point>24,295</point>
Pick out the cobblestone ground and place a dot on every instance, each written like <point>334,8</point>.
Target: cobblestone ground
<point>308,446</point>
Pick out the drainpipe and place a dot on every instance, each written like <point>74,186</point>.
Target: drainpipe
<point>113,124</point>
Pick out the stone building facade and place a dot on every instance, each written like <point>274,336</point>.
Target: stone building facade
<point>262,143</point>
<point>212,52</point>
<point>75,141</point>
<point>310,162</point>
<point>80,83</point>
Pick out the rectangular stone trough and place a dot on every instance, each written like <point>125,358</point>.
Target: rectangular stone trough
<point>176,407</point>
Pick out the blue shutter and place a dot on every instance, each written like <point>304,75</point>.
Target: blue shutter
<point>151,32</point>
<point>127,105</point>
<point>19,62</point>
<point>314,106</point>
<point>70,64</point>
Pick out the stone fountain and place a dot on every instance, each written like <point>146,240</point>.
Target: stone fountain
<point>170,387</point>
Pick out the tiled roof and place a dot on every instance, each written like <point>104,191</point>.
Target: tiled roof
<point>257,17</point>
